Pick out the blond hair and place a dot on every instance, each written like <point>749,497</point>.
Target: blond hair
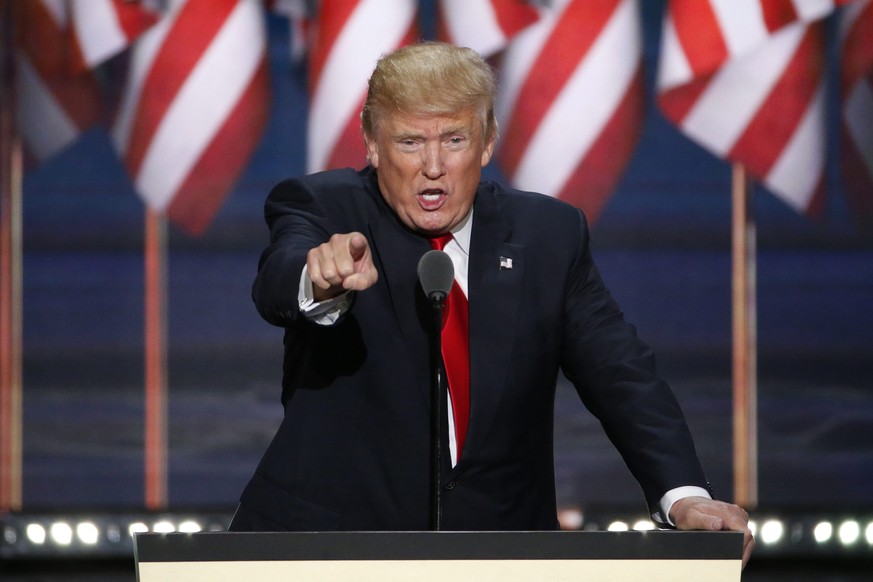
<point>431,78</point>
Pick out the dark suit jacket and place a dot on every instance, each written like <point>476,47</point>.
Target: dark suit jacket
<point>352,451</point>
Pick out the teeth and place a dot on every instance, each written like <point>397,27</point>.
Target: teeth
<point>431,197</point>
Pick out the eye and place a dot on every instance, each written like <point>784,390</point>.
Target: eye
<point>407,144</point>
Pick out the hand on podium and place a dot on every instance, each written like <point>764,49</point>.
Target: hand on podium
<point>700,513</point>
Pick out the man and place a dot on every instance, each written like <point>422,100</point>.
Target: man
<point>340,277</point>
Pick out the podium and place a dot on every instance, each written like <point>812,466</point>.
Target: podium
<point>439,556</point>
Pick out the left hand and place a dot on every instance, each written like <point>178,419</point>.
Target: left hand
<point>701,513</point>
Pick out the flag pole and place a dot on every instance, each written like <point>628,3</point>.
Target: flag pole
<point>11,164</point>
<point>744,328</point>
<point>155,360</point>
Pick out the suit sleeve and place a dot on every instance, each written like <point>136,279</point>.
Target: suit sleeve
<point>614,373</point>
<point>297,224</point>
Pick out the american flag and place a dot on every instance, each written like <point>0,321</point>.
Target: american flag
<point>58,44</point>
<point>350,36</point>
<point>856,35</point>
<point>485,26</point>
<point>103,28</point>
<point>745,79</point>
<point>195,105</point>
<point>571,101</point>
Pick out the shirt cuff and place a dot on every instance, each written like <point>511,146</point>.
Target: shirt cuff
<point>674,495</point>
<point>325,312</point>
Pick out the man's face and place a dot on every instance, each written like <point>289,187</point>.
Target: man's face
<point>428,166</point>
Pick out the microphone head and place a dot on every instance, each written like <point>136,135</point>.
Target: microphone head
<point>437,274</point>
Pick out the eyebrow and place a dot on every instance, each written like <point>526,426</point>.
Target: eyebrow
<point>456,129</point>
<point>405,135</point>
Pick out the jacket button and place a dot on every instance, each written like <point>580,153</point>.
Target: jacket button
<point>450,485</point>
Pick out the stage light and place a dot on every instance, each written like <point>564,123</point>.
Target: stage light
<point>10,536</point>
<point>88,533</point>
<point>190,527</point>
<point>823,531</point>
<point>772,531</point>
<point>95,535</point>
<point>164,527</point>
<point>113,533</point>
<point>105,535</point>
<point>61,533</point>
<point>849,532</point>
<point>35,533</point>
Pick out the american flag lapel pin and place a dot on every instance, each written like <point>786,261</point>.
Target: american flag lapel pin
<point>505,263</point>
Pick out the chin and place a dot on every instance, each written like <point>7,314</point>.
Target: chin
<point>430,228</point>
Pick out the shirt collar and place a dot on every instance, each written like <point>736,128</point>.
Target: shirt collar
<point>462,232</point>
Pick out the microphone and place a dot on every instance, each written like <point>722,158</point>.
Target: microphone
<point>437,274</point>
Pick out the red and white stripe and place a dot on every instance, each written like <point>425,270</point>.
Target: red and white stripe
<point>54,105</point>
<point>571,101</point>
<point>104,28</point>
<point>700,36</point>
<point>856,35</point>
<point>195,106</point>
<point>58,45</point>
<point>745,79</point>
<point>485,26</point>
<point>350,36</point>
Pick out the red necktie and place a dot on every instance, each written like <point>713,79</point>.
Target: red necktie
<point>456,352</point>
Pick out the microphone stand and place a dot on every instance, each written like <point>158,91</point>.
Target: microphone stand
<point>436,411</point>
<point>436,273</point>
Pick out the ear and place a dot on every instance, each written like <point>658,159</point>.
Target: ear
<point>488,150</point>
<point>372,151</point>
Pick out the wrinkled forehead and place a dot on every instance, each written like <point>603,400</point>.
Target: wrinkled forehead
<point>467,120</point>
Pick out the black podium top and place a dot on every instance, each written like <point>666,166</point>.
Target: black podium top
<point>334,546</point>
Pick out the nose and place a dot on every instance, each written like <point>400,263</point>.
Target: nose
<point>432,162</point>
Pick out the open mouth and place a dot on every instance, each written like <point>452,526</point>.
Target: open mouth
<point>431,199</point>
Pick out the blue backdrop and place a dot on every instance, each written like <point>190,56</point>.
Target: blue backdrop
<point>662,243</point>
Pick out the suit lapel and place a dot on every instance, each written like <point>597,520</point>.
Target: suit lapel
<point>495,277</point>
<point>396,252</point>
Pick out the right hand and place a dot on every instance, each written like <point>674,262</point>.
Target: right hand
<point>702,513</point>
<point>344,263</point>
